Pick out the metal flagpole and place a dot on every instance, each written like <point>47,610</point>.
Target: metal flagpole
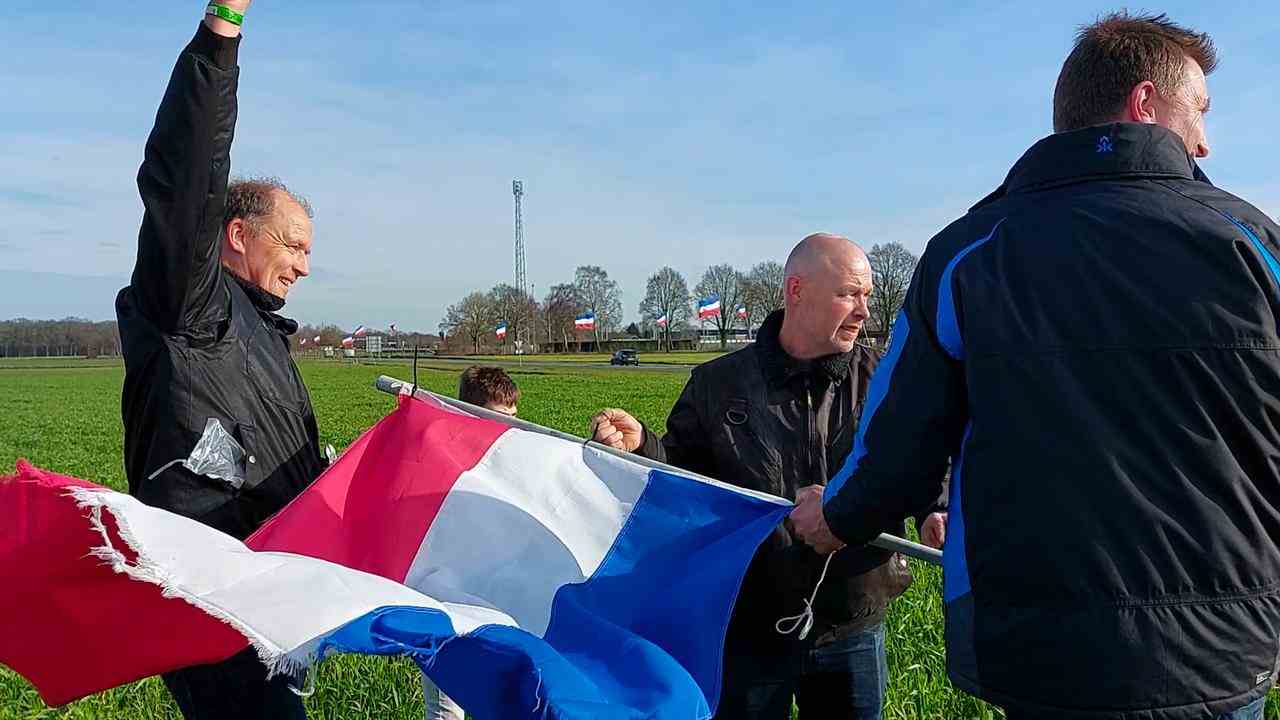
<point>393,386</point>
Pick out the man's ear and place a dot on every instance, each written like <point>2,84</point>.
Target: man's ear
<point>1141,105</point>
<point>236,235</point>
<point>791,287</point>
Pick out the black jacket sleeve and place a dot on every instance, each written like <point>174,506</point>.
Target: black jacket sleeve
<point>183,183</point>
<point>915,414</point>
<point>687,442</point>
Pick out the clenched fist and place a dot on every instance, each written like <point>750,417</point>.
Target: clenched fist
<point>617,429</point>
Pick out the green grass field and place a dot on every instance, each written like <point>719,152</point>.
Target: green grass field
<point>65,416</point>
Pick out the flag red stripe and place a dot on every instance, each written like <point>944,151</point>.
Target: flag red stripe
<point>57,597</point>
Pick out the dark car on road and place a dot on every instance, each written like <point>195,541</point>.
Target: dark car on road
<point>625,357</point>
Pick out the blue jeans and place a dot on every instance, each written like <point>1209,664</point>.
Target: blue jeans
<point>1252,711</point>
<point>845,678</point>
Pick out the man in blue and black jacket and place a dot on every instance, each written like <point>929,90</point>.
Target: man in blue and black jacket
<point>1094,348</point>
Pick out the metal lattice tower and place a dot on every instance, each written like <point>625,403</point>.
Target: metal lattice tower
<point>517,189</point>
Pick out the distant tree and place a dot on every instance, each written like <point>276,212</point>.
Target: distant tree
<point>762,291</point>
<point>666,294</point>
<point>472,317</point>
<point>518,310</point>
<point>725,283</point>
<point>559,309</point>
<point>892,266</point>
<point>601,296</point>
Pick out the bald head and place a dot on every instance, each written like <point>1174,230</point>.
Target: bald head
<point>819,251</point>
<point>828,282</point>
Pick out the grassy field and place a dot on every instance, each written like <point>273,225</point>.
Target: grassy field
<point>64,416</point>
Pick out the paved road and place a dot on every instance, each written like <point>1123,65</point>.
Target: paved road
<point>444,363</point>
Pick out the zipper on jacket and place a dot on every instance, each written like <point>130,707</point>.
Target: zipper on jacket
<point>812,421</point>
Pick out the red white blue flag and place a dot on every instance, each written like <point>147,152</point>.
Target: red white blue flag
<point>528,576</point>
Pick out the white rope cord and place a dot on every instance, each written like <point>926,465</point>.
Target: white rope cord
<point>804,621</point>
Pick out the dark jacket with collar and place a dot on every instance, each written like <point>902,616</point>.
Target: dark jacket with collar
<point>758,419</point>
<point>1095,344</point>
<point>197,343</point>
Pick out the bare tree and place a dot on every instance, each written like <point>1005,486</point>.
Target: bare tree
<point>472,317</point>
<point>724,282</point>
<point>559,309</point>
<point>601,296</point>
<point>515,308</point>
<point>666,295</point>
<point>892,266</point>
<point>762,291</point>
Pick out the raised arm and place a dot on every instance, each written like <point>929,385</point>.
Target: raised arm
<point>183,180</point>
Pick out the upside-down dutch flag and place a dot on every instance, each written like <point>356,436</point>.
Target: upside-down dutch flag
<point>662,321</point>
<point>528,576</point>
<point>500,331</point>
<point>361,331</point>
<point>741,312</point>
<point>315,339</point>
<point>708,307</point>
<point>585,321</point>
<point>348,341</point>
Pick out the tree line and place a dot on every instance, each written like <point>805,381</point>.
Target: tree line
<point>667,310</point>
<point>69,337</point>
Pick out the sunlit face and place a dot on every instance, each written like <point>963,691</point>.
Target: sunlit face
<point>1185,113</point>
<point>831,303</point>
<point>277,253</point>
<point>499,407</point>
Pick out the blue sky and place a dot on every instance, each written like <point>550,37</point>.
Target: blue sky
<point>689,134</point>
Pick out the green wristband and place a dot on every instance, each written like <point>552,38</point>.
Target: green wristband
<point>225,13</point>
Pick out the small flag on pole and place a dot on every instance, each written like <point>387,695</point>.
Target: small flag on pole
<point>500,331</point>
<point>393,328</point>
<point>360,332</point>
<point>708,307</point>
<point>585,321</point>
<point>662,321</point>
<point>315,339</point>
<point>303,341</point>
<point>742,312</point>
<point>348,341</point>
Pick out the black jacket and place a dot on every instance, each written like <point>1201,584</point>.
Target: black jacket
<point>196,344</point>
<point>1096,344</point>
<point>758,419</point>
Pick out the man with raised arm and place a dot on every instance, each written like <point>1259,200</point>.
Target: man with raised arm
<point>206,356</point>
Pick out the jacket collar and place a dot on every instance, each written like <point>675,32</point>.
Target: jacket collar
<point>779,367</point>
<point>1115,150</point>
<point>266,304</point>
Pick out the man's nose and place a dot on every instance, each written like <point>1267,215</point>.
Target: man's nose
<point>1202,149</point>
<point>861,310</point>
<point>303,266</point>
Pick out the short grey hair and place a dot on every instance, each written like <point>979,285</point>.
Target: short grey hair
<point>253,198</point>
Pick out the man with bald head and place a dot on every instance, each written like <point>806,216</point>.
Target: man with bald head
<point>777,416</point>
